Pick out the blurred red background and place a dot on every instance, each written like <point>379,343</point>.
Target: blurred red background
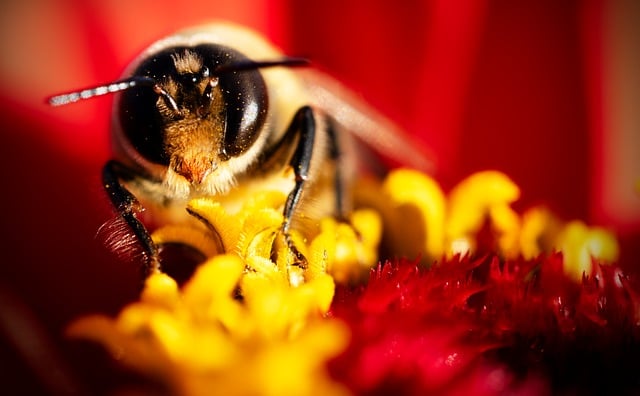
<point>541,90</point>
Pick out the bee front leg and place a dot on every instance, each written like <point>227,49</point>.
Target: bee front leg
<point>127,206</point>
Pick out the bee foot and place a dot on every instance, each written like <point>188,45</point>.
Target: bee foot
<point>283,244</point>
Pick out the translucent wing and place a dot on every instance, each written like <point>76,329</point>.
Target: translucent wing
<point>377,132</point>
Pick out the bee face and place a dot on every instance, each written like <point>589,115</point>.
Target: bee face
<point>199,120</point>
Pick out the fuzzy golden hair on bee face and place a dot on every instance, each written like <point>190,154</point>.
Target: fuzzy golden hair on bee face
<point>190,92</point>
<point>194,125</point>
<point>187,62</point>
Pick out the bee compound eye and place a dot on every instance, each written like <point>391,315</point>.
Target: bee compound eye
<point>137,113</point>
<point>142,124</point>
<point>244,94</point>
<point>246,109</point>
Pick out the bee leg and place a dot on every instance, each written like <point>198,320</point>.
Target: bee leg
<point>335,154</point>
<point>127,206</point>
<point>304,125</point>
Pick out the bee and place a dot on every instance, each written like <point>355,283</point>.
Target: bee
<point>217,110</point>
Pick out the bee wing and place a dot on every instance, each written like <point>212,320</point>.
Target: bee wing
<point>377,132</point>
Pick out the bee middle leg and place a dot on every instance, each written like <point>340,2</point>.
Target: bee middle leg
<point>303,126</point>
<point>340,187</point>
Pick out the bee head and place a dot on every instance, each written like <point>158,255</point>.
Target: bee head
<point>187,107</point>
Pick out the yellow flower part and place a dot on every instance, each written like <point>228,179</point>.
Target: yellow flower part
<point>188,236</point>
<point>580,245</point>
<point>423,222</point>
<point>539,232</point>
<point>251,233</point>
<point>259,214</point>
<point>419,203</point>
<point>202,339</point>
<point>346,251</point>
<point>481,196</point>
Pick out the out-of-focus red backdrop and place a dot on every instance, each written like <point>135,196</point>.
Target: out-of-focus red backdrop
<point>542,90</point>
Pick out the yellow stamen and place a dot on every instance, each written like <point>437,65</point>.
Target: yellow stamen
<point>580,245</point>
<point>420,208</point>
<point>482,196</point>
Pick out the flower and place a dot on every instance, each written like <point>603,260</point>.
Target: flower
<point>410,327</point>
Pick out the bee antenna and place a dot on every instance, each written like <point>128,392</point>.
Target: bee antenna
<point>252,65</point>
<point>116,86</point>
